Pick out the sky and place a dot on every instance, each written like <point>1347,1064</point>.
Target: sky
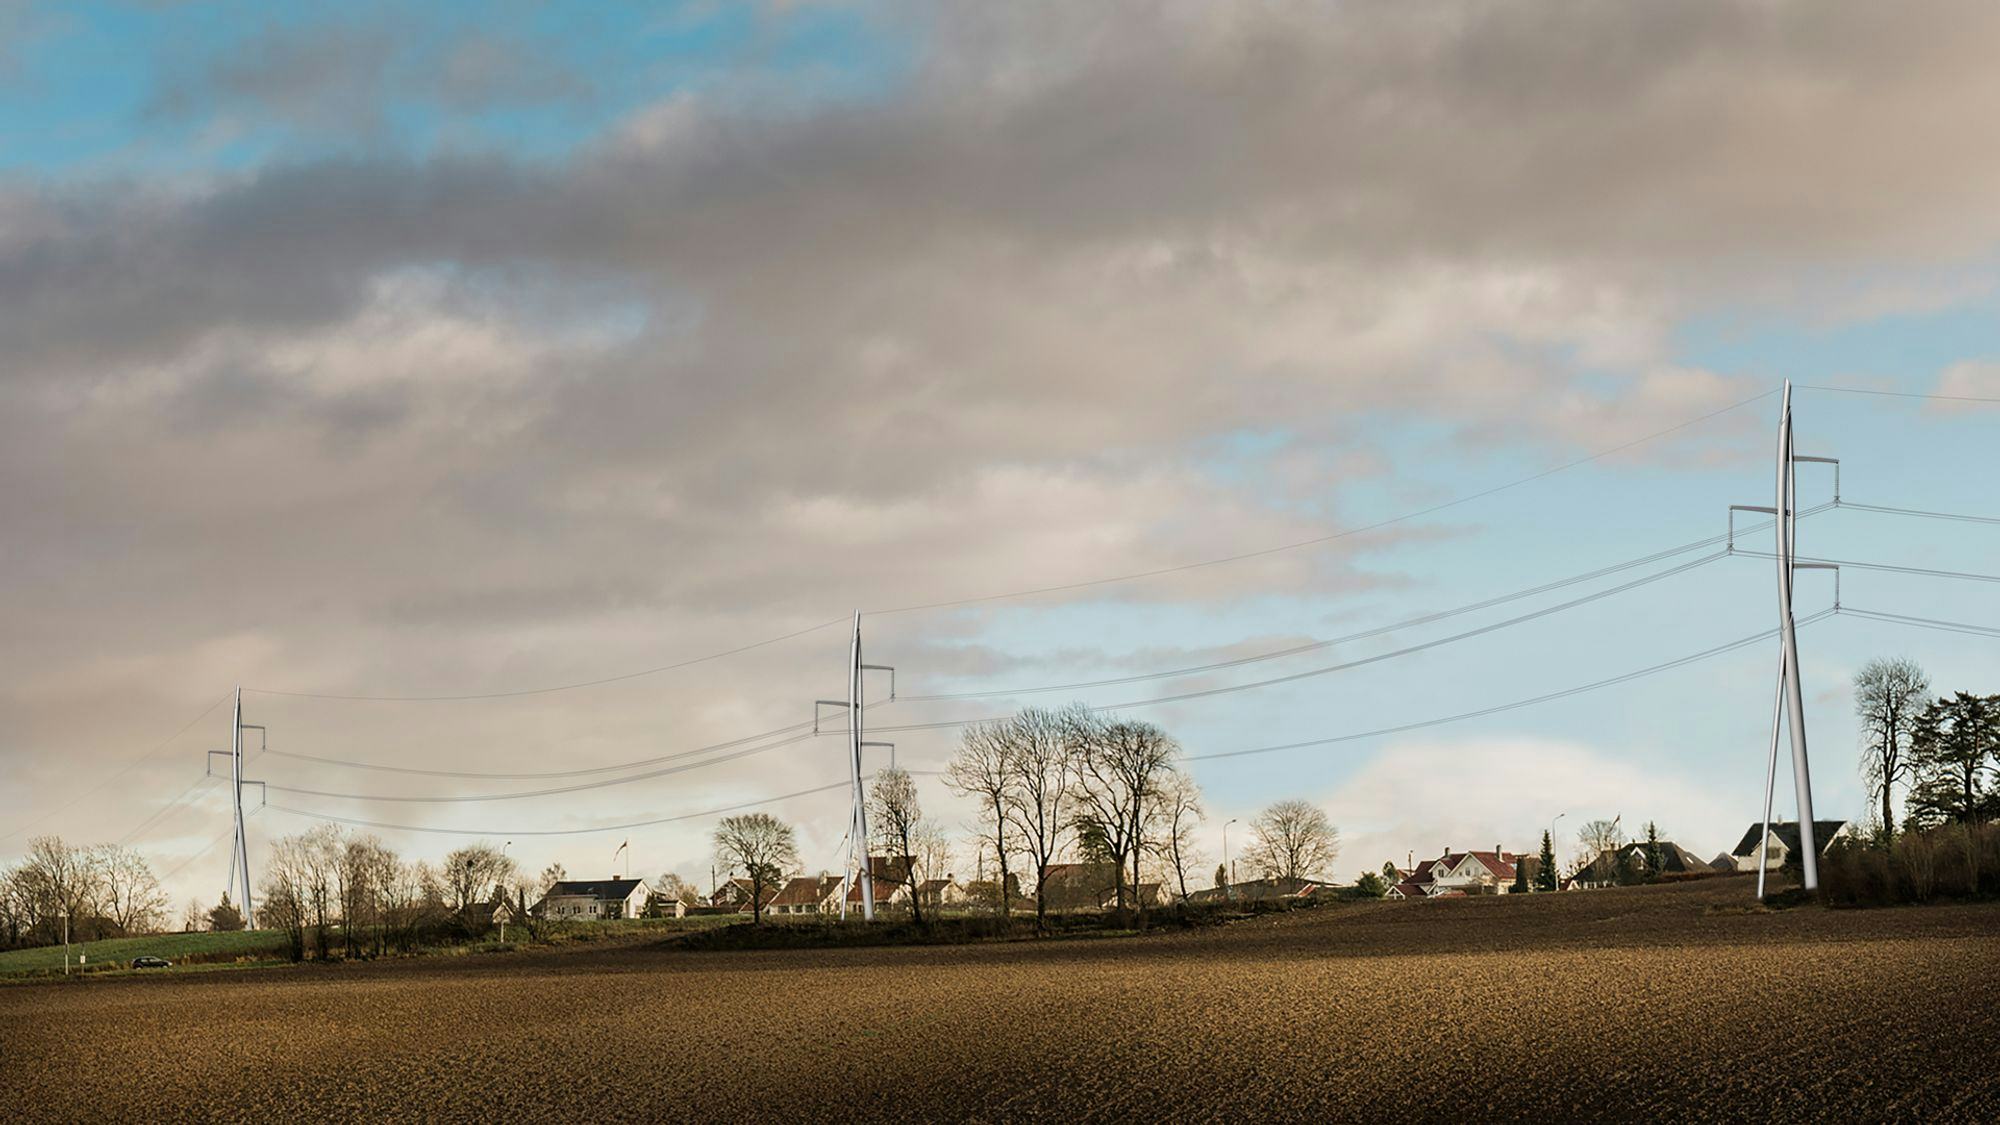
<point>469,351</point>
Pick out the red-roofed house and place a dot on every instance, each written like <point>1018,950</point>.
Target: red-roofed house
<point>806,894</point>
<point>1472,873</point>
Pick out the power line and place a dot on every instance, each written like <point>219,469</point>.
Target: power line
<point>841,784</point>
<point>555,688</point>
<point>206,848</point>
<point>1890,568</point>
<point>1355,736</point>
<point>1891,394</point>
<point>554,791</point>
<point>1925,622</point>
<point>165,809</point>
<point>1343,666</point>
<point>1378,525</point>
<point>1516,704</point>
<point>543,776</point>
<point>1886,510</point>
<point>1313,646</point>
<point>127,768</point>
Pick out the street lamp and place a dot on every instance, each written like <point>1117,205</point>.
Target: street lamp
<point>1228,871</point>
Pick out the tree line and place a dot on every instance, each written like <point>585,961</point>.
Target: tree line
<point>100,891</point>
<point>1941,752</point>
<point>1048,785</point>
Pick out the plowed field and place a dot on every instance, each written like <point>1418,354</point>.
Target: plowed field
<point>1610,1005</point>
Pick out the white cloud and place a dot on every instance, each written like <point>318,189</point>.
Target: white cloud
<point>1424,797</point>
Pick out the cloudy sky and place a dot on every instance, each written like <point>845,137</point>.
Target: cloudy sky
<point>453,352</point>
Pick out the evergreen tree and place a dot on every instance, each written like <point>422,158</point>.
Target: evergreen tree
<point>1545,879</point>
<point>1222,875</point>
<point>225,917</point>
<point>1655,857</point>
<point>1956,742</point>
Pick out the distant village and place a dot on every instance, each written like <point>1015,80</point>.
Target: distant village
<point>1074,887</point>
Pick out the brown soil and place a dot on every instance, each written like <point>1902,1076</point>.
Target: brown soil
<point>1606,1005</point>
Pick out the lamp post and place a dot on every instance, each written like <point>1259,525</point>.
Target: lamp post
<point>1228,871</point>
<point>503,893</point>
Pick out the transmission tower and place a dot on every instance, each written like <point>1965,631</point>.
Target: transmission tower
<point>239,853</point>
<point>860,871</point>
<point>1790,698</point>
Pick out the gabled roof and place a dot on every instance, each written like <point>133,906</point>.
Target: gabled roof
<point>1723,861</point>
<point>608,890</point>
<point>888,872</point>
<point>1788,833</point>
<point>1501,864</point>
<point>1409,889</point>
<point>806,890</point>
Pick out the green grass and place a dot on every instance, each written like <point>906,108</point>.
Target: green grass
<point>174,947</point>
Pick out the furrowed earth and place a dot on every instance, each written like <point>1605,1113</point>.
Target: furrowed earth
<point>1658,1002</point>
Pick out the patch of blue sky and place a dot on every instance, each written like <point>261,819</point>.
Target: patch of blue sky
<point>86,88</point>
<point>1909,349</point>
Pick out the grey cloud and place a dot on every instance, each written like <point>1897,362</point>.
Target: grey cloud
<point>727,371</point>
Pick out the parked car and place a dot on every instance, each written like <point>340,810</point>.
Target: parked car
<point>151,963</point>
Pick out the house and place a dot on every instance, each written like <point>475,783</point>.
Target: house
<point>480,916</point>
<point>733,892</point>
<point>595,900</point>
<point>1079,886</point>
<point>1634,857</point>
<point>936,894</point>
<point>1474,873</point>
<point>1254,890</point>
<point>889,876</point>
<point>1146,896</point>
<point>806,894</point>
<point>1723,861</point>
<point>1784,843</point>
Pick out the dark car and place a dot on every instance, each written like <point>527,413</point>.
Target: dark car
<point>151,963</point>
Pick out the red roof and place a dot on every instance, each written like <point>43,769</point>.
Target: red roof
<point>1500,863</point>
<point>806,890</point>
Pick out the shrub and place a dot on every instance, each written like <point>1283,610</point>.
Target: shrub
<point>1920,865</point>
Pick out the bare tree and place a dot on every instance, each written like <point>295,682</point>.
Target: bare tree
<point>762,847</point>
<point>669,888</point>
<point>1597,837</point>
<point>320,856</point>
<point>1178,814</point>
<point>128,894</point>
<point>983,769</point>
<point>474,873</point>
<point>55,885</point>
<point>1292,840</point>
<point>1120,766</point>
<point>1888,696</point>
<point>194,919</point>
<point>1038,798</point>
<point>366,872</point>
<point>902,831</point>
<point>283,889</point>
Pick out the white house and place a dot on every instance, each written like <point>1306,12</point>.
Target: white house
<point>1465,873</point>
<point>1784,842</point>
<point>595,900</point>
